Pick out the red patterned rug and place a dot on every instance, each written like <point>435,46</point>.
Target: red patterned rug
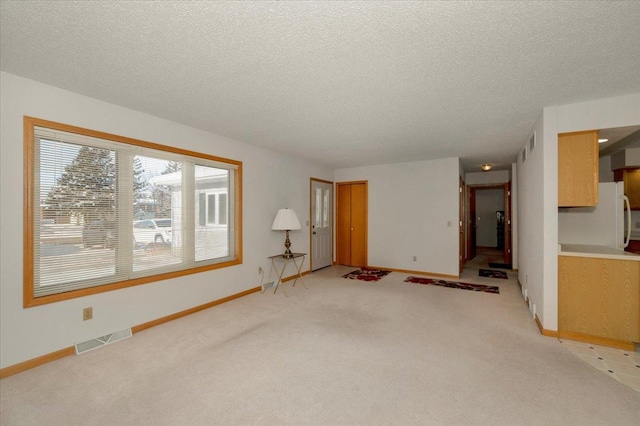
<point>451,284</point>
<point>367,274</point>
<point>491,273</point>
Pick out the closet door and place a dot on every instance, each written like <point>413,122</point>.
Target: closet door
<point>358,224</point>
<point>343,237</point>
<point>351,227</point>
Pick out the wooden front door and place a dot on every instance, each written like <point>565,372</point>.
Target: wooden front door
<point>351,212</point>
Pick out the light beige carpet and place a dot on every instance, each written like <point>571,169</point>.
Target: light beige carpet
<point>342,352</point>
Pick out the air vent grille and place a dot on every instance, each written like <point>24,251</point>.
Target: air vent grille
<point>98,342</point>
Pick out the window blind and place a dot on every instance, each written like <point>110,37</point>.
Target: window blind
<point>108,212</point>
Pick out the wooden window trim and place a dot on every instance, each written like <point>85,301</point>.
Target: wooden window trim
<point>29,300</point>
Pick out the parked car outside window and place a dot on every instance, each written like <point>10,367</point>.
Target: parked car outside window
<point>152,231</point>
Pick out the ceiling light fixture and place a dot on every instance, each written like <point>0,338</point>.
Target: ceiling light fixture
<point>486,167</point>
<point>603,140</point>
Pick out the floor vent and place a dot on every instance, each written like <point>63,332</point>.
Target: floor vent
<point>98,342</point>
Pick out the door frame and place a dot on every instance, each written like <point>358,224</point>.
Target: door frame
<point>332,213</point>
<point>366,217</point>
<point>461,228</point>
<point>506,187</point>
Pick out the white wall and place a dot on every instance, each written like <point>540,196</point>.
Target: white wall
<point>270,181</point>
<point>604,169</point>
<point>488,202</point>
<point>538,193</point>
<point>483,178</point>
<point>530,221</point>
<point>627,158</point>
<point>413,211</point>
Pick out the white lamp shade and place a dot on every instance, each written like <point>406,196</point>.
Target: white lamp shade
<point>286,220</point>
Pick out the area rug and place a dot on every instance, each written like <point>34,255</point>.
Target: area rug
<point>490,273</point>
<point>452,284</point>
<point>500,265</point>
<point>367,274</point>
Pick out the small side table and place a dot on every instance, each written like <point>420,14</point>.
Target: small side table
<point>279,259</point>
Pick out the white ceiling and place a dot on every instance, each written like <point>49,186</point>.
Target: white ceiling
<point>343,83</point>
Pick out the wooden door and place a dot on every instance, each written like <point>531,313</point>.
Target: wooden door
<point>351,226</point>
<point>343,224</point>
<point>507,224</point>
<point>472,224</point>
<point>461,225</point>
<point>358,224</point>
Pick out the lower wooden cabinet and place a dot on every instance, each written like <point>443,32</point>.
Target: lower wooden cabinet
<point>599,297</point>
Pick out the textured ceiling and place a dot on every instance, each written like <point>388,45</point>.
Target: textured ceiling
<point>343,83</point>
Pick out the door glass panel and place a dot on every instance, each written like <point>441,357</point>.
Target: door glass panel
<point>325,208</point>
<point>316,220</point>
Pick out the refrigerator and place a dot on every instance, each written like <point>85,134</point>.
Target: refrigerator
<point>607,224</point>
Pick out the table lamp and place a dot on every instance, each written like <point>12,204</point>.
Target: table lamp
<point>286,220</point>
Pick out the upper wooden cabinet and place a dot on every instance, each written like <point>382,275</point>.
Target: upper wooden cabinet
<point>578,169</point>
<point>631,178</point>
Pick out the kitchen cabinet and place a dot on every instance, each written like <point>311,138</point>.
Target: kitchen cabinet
<point>631,178</point>
<point>578,169</point>
<point>599,299</point>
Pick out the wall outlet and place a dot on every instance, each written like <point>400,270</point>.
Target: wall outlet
<point>87,313</point>
<point>259,269</point>
<point>415,258</point>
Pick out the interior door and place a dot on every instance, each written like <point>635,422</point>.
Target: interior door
<point>351,225</point>
<point>461,224</point>
<point>321,224</point>
<point>507,224</point>
<point>343,213</point>
<point>472,241</point>
<point>358,224</point>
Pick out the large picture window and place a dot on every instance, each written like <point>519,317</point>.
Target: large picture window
<point>104,212</point>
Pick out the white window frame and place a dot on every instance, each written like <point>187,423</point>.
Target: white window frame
<point>126,149</point>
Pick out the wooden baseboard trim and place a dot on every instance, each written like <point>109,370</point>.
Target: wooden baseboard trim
<point>409,271</point>
<point>586,338</point>
<point>293,277</point>
<point>596,340</point>
<point>543,331</point>
<point>146,325</point>
<point>44,359</point>
<point>36,362</point>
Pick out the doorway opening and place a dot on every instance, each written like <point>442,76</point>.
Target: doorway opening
<point>489,225</point>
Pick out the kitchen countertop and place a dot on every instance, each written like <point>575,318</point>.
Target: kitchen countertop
<point>602,252</point>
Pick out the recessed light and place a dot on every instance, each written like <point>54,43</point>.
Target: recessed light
<point>603,140</point>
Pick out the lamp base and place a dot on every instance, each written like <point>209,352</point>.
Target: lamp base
<point>287,253</point>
